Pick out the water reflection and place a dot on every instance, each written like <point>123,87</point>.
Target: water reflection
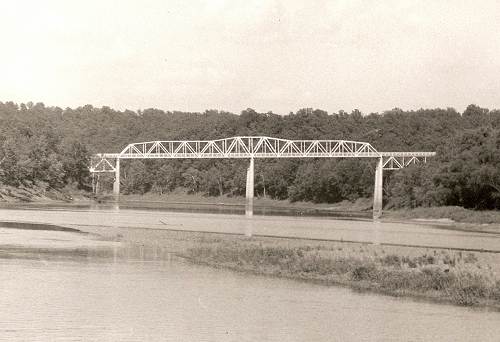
<point>141,252</point>
<point>377,228</point>
<point>249,221</point>
<point>221,208</point>
<point>395,233</point>
<point>56,245</point>
<point>249,227</point>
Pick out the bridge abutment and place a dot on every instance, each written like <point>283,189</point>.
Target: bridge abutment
<point>116,184</point>
<point>377,190</point>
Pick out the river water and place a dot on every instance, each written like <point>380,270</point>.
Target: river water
<point>290,226</point>
<point>137,295</point>
<point>137,300</point>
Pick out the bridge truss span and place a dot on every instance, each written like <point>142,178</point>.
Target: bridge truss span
<point>251,147</point>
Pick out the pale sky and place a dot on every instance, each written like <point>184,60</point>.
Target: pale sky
<point>229,55</point>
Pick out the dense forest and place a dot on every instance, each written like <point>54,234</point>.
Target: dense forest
<point>50,147</point>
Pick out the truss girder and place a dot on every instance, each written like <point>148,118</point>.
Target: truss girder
<point>249,147</point>
<point>257,147</point>
<point>105,162</point>
<point>399,160</point>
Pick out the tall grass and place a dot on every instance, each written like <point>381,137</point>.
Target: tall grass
<point>436,275</point>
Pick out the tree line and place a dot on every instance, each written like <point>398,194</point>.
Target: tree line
<point>51,146</point>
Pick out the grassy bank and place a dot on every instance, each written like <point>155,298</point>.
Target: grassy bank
<point>32,193</point>
<point>41,193</point>
<point>462,278</point>
<point>457,214</point>
<point>443,276</point>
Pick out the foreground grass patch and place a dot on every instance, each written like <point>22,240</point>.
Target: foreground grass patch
<point>449,276</point>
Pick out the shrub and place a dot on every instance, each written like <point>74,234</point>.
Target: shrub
<point>391,260</point>
<point>447,260</point>
<point>436,279</point>
<point>364,272</point>
<point>425,260</point>
<point>395,280</point>
<point>470,258</point>
<point>468,288</point>
<point>495,292</point>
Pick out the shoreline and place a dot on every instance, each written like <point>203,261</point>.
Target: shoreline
<point>466,219</point>
<point>492,228</point>
<point>432,274</point>
<point>263,208</point>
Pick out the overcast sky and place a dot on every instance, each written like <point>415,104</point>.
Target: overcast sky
<point>268,55</point>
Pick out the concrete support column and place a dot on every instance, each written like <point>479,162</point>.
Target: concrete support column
<point>116,184</point>
<point>377,192</point>
<point>249,189</point>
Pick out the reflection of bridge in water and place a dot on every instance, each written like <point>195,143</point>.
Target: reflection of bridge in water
<point>259,147</point>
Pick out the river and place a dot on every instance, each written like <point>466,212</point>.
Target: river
<point>328,228</point>
<point>136,294</point>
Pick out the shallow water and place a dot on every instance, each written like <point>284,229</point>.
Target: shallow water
<point>67,286</point>
<point>189,207</point>
<point>412,234</point>
<point>145,296</point>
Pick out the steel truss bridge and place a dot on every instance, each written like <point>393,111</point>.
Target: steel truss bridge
<point>250,147</point>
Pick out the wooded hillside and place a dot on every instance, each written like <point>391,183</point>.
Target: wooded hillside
<point>51,146</point>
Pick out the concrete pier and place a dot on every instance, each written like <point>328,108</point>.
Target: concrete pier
<point>377,191</point>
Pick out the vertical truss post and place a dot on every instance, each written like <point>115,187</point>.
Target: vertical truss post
<point>249,189</point>
<point>116,184</point>
<point>377,191</point>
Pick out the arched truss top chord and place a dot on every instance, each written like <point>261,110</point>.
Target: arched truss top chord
<point>255,147</point>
